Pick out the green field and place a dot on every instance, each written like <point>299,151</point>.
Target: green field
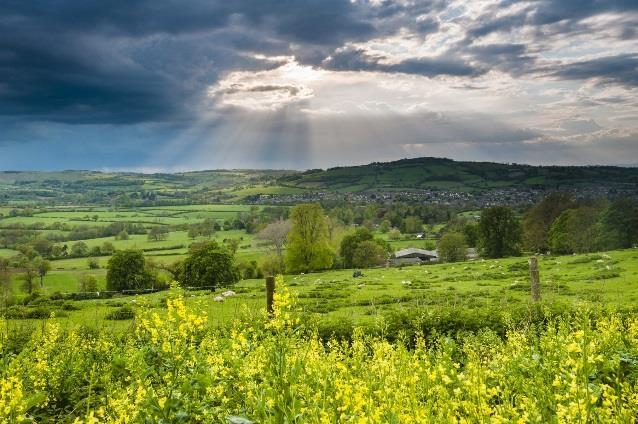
<point>606,279</point>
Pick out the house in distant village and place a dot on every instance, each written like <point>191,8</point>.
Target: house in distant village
<point>412,255</point>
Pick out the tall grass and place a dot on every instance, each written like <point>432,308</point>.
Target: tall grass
<point>577,367</point>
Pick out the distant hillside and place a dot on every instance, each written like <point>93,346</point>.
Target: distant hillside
<point>87,187</point>
<point>446,174</point>
<point>452,181</point>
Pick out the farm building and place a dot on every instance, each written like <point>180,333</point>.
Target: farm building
<point>413,255</point>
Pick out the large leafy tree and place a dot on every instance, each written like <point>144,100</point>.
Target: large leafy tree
<point>499,232</point>
<point>350,242</point>
<point>538,220</point>
<point>619,224</point>
<point>209,265</point>
<point>368,254</point>
<point>276,234</point>
<point>308,248</point>
<point>574,231</point>
<point>452,247</point>
<point>126,270</point>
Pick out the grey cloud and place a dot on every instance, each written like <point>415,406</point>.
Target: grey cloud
<point>622,69</point>
<point>142,60</point>
<point>358,60</point>
<point>547,12</point>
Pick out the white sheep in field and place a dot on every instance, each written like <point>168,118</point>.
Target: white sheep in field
<point>218,298</point>
<point>228,293</point>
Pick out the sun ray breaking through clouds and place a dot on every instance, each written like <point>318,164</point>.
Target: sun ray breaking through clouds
<point>212,84</point>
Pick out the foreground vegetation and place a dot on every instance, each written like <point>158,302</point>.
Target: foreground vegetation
<point>578,367</point>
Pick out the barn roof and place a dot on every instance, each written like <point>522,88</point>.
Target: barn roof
<point>415,251</point>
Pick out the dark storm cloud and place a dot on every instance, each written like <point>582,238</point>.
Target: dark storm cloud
<point>547,12</point>
<point>131,61</point>
<point>621,69</point>
<point>358,60</point>
<point>135,61</point>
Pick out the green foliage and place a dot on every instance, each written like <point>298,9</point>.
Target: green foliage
<point>452,247</point>
<point>471,233</point>
<point>123,313</point>
<point>308,247</point>
<point>411,225</point>
<point>158,233</point>
<point>87,283</point>
<point>619,224</point>
<point>574,231</point>
<point>126,271</point>
<point>122,235</point>
<point>456,365</point>
<point>538,220</point>
<point>79,249</point>
<point>249,270</point>
<point>369,253</point>
<point>394,234</point>
<point>499,232</point>
<point>93,263</point>
<point>209,265</point>
<point>271,265</point>
<point>350,242</point>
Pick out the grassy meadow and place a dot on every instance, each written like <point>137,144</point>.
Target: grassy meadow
<point>436,343</point>
<point>605,279</point>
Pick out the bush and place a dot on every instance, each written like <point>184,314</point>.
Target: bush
<point>87,283</point>
<point>23,312</point>
<point>126,271</point>
<point>208,264</point>
<point>70,306</point>
<point>30,298</point>
<point>123,313</point>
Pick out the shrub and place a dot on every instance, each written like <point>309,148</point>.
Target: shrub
<point>126,271</point>
<point>123,313</point>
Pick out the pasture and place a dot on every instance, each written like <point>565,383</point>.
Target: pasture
<point>607,279</point>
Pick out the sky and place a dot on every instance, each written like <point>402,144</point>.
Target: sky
<point>165,86</point>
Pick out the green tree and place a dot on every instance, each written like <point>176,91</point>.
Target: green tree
<point>87,283</point>
<point>350,242</point>
<point>368,254</point>
<point>122,235</point>
<point>42,245</point>
<point>28,276</point>
<point>276,235</point>
<point>42,267</point>
<point>209,265</point>
<point>126,271</point>
<point>499,232</point>
<point>93,263</point>
<point>6,288</point>
<point>619,224</point>
<point>308,247</point>
<point>470,231</point>
<point>107,248</point>
<point>412,224</point>
<point>452,247</point>
<point>385,226</point>
<point>79,249</point>
<point>538,220</point>
<point>193,231</point>
<point>574,231</point>
<point>394,234</point>
<point>158,233</point>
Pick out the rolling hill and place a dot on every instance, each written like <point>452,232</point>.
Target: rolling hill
<point>446,174</point>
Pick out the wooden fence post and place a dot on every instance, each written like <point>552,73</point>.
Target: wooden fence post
<point>270,292</point>
<point>535,281</point>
